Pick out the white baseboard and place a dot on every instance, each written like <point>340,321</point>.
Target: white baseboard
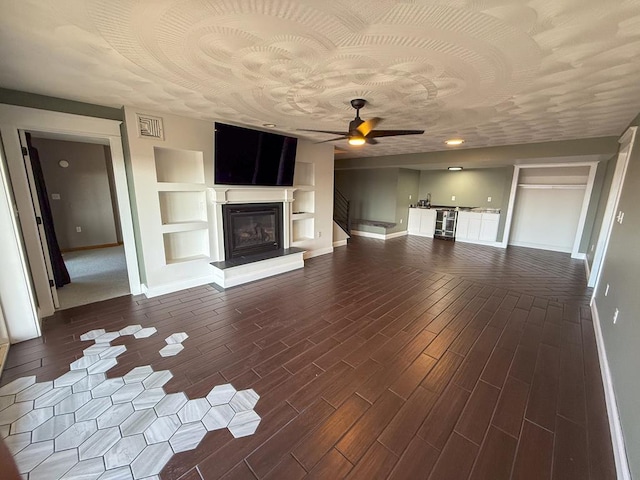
<point>379,236</point>
<point>587,270</point>
<point>319,251</point>
<point>541,246</point>
<point>340,243</point>
<point>579,256</point>
<point>155,291</point>
<point>480,242</point>
<point>617,440</point>
<point>4,351</point>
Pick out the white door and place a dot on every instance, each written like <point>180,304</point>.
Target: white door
<point>38,213</point>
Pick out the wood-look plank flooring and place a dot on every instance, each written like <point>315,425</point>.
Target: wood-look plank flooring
<point>405,359</point>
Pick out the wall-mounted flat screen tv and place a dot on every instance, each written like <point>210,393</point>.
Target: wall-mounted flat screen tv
<point>250,157</point>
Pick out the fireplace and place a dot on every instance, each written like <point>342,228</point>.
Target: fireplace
<point>251,229</point>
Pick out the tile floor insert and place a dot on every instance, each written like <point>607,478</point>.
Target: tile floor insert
<point>341,354</point>
<point>121,427</point>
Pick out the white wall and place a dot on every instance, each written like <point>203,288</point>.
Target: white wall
<point>197,136</point>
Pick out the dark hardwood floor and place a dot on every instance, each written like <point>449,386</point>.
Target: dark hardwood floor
<point>406,359</point>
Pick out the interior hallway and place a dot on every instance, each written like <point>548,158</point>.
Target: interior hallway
<point>410,358</point>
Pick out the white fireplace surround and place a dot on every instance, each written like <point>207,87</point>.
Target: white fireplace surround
<point>218,196</point>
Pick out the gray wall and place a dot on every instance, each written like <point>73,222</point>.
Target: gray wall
<point>372,193</point>
<point>85,196</point>
<point>408,183</point>
<point>622,340</point>
<point>471,189</point>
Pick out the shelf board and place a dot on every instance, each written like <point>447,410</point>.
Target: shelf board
<point>302,215</point>
<point>181,187</point>
<point>184,226</point>
<point>187,259</point>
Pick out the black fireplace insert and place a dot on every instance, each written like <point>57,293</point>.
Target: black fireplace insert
<point>251,228</point>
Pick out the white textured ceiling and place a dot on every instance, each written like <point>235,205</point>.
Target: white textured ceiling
<point>494,72</point>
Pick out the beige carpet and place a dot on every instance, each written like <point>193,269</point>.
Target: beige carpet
<point>95,275</point>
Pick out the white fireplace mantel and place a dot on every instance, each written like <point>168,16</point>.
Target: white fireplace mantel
<point>218,196</point>
<point>222,195</point>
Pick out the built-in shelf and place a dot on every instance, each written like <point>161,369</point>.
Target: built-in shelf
<point>302,230</point>
<point>304,174</point>
<point>186,245</point>
<point>302,215</point>
<point>179,166</point>
<point>183,226</point>
<point>183,204</point>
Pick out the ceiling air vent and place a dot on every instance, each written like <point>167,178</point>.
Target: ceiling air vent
<point>150,127</point>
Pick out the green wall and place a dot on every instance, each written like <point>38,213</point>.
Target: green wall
<point>470,187</point>
<point>43,102</point>
<point>371,193</point>
<point>407,186</point>
<point>622,340</point>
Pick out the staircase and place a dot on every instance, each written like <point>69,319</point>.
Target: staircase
<point>341,211</point>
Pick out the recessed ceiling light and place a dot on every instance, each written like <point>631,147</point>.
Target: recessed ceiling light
<point>455,169</point>
<point>269,125</point>
<point>454,141</point>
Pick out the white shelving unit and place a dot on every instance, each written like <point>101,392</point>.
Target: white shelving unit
<point>183,206</point>
<point>303,208</point>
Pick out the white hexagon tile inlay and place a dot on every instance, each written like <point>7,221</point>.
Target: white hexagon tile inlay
<point>83,425</point>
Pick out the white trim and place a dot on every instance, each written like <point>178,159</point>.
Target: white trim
<point>151,292</point>
<point>231,277</point>
<point>340,243</point>
<point>587,270</point>
<point>14,118</point>
<point>627,142</point>
<point>540,186</point>
<point>319,251</point>
<point>379,236</point>
<point>510,207</point>
<point>584,210</point>
<point>540,246</point>
<point>479,242</point>
<point>617,439</point>
<point>580,256</point>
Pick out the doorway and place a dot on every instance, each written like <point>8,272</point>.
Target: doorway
<point>33,280</point>
<point>80,189</point>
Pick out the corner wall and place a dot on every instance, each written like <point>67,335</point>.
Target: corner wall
<point>622,339</point>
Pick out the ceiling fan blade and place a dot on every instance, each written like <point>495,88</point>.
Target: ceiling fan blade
<point>368,125</point>
<point>334,139</point>
<point>393,133</point>
<point>333,132</point>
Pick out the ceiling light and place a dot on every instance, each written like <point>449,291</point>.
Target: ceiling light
<point>454,141</point>
<point>269,125</point>
<point>455,169</point>
<point>355,140</point>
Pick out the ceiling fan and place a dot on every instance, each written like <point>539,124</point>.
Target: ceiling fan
<point>362,131</point>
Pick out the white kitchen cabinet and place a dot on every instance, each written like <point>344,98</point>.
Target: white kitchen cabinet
<point>489,227</point>
<point>477,227</point>
<point>421,222</point>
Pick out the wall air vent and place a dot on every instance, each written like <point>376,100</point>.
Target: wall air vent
<point>150,127</point>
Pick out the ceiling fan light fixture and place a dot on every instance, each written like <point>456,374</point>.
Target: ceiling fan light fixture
<point>356,140</point>
<point>454,141</point>
<point>455,169</point>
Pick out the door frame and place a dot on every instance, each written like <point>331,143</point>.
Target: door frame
<point>593,166</point>
<point>626,142</point>
<point>15,118</point>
